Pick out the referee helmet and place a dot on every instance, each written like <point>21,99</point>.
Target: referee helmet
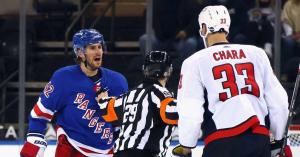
<point>157,65</point>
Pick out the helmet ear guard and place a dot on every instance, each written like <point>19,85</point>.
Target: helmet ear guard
<point>157,65</point>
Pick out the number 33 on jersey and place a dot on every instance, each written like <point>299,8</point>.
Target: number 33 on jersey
<point>232,70</point>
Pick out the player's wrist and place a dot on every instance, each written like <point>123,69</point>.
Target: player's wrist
<point>36,139</point>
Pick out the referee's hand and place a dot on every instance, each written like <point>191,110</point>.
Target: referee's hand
<point>181,151</point>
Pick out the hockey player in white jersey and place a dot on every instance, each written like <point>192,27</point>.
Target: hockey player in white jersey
<point>245,100</point>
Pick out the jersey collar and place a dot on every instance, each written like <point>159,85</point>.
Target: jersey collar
<point>220,43</point>
<point>150,82</point>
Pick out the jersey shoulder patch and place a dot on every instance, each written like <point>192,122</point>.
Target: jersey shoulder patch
<point>49,88</point>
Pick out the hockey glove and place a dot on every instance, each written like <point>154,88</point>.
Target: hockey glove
<point>275,149</point>
<point>102,90</point>
<point>34,146</point>
<point>101,94</point>
<point>181,151</point>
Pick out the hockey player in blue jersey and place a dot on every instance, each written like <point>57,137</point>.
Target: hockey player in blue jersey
<point>70,98</point>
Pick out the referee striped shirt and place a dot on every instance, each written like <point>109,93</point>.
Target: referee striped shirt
<point>147,116</point>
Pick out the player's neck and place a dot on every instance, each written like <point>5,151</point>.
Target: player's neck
<point>163,81</point>
<point>88,72</point>
<point>216,38</point>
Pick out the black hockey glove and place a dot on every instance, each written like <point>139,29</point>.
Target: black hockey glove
<point>102,90</point>
<point>181,151</point>
<point>276,147</point>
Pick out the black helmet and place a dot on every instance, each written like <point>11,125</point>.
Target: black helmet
<point>157,65</point>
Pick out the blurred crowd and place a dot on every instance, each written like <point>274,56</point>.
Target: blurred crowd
<point>253,22</point>
<point>176,29</point>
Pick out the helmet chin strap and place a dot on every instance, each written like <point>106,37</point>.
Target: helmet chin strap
<point>86,63</point>
<point>204,37</point>
<point>204,41</point>
<point>81,50</point>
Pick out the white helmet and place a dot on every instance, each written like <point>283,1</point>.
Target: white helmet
<point>216,18</point>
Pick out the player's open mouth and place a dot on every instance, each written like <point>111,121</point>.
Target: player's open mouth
<point>97,59</point>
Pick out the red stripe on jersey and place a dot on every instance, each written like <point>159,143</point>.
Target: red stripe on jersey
<point>90,151</point>
<point>87,150</point>
<point>253,123</point>
<point>40,113</point>
<point>261,130</point>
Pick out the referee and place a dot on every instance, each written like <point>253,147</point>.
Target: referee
<point>147,115</point>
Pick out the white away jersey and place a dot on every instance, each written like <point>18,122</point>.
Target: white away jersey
<point>241,91</point>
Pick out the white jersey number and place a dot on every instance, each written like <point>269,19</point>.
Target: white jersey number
<point>130,113</point>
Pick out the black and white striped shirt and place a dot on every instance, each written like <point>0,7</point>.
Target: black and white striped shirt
<point>147,116</point>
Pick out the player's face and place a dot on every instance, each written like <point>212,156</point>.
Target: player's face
<point>93,56</point>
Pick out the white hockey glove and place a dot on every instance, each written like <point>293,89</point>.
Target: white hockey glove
<point>34,146</point>
<point>181,151</point>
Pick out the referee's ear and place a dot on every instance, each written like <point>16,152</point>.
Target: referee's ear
<point>168,111</point>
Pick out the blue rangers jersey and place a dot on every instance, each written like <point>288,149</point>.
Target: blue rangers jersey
<point>70,96</point>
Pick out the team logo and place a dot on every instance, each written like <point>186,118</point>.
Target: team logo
<point>79,98</point>
<point>49,88</point>
<point>167,94</point>
<point>97,87</point>
<point>212,29</point>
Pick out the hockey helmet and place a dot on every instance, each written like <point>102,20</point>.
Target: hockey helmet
<point>216,19</point>
<point>157,65</point>
<point>87,37</point>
